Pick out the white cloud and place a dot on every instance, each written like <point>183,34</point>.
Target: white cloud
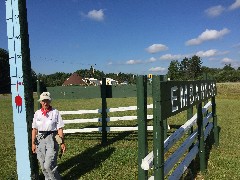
<point>133,62</point>
<point>157,69</point>
<point>96,15</point>
<point>235,64</point>
<point>208,53</point>
<point>223,52</point>
<point>235,5</point>
<point>218,10</point>
<point>215,11</point>
<point>208,35</point>
<point>171,57</point>
<point>152,59</point>
<point>156,48</point>
<point>227,60</point>
<point>211,53</point>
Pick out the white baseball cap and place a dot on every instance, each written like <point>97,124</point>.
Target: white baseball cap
<point>45,95</point>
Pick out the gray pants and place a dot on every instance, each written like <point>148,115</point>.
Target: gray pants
<point>47,152</point>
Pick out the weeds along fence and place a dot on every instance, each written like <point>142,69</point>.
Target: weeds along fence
<point>169,99</point>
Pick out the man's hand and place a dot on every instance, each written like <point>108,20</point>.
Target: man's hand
<point>33,148</point>
<point>63,148</point>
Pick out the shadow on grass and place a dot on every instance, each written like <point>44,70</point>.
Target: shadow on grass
<point>210,142</point>
<point>194,167</point>
<point>173,126</point>
<point>90,159</point>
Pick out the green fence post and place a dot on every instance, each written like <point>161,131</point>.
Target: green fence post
<point>201,151</point>
<point>142,124</point>
<point>104,112</point>
<point>158,131</point>
<point>205,77</point>
<point>27,79</point>
<point>165,124</point>
<point>215,126</point>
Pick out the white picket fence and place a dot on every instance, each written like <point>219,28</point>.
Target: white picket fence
<point>147,162</point>
<point>109,119</point>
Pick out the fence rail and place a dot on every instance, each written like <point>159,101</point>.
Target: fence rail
<point>108,119</point>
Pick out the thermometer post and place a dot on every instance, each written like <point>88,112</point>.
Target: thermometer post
<point>21,87</point>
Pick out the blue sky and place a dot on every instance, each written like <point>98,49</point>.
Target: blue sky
<point>129,36</point>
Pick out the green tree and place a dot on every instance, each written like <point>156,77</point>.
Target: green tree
<point>173,70</point>
<point>5,80</point>
<point>194,69</point>
<point>227,74</point>
<point>187,69</point>
<point>86,73</point>
<point>98,74</point>
<point>228,67</point>
<point>121,77</point>
<point>55,79</point>
<point>184,69</point>
<point>211,71</point>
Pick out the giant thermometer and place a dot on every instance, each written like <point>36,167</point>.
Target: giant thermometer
<point>17,89</point>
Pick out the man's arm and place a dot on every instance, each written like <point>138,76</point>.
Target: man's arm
<point>34,133</point>
<point>60,133</point>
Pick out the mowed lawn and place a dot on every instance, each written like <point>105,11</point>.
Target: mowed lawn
<point>85,158</point>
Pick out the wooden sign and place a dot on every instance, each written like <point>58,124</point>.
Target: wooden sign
<point>177,96</point>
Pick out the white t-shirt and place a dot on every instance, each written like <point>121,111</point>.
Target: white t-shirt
<point>51,122</point>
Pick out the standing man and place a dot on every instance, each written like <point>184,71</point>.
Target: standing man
<point>47,136</point>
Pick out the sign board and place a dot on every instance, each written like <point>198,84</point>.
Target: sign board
<point>177,96</point>
<point>106,91</point>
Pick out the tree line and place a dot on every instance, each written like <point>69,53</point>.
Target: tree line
<point>55,79</point>
<point>192,69</point>
<point>186,69</point>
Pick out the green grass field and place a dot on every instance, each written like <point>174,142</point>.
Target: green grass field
<point>85,158</point>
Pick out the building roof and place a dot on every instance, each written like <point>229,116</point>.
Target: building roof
<point>74,79</point>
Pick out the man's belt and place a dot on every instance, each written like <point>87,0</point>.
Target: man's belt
<point>46,133</point>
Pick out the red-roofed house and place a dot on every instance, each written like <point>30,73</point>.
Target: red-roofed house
<point>74,80</point>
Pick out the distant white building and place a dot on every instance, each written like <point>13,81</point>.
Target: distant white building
<point>110,81</point>
<point>92,81</point>
<point>96,82</point>
<point>124,83</point>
